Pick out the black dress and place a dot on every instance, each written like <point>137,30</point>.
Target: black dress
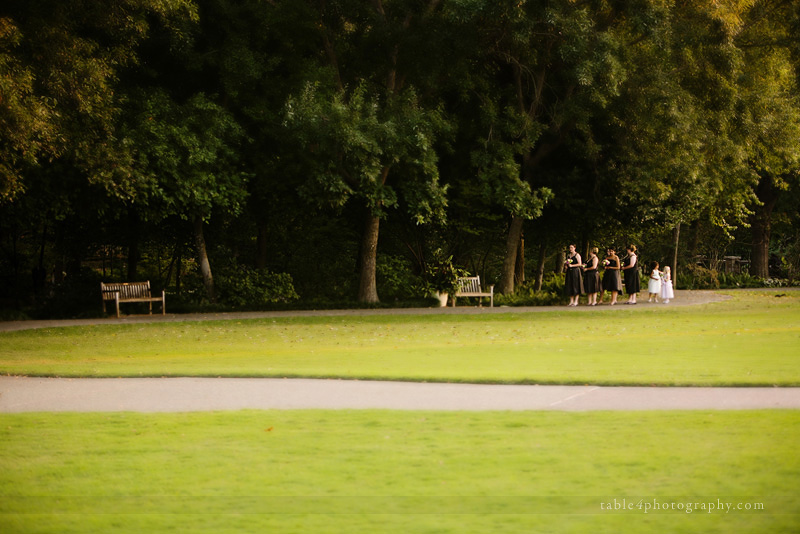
<point>611,278</point>
<point>632,284</point>
<point>591,279</point>
<point>573,283</point>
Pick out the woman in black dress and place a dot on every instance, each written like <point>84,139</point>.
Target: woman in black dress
<point>631,269</point>
<point>591,280</point>
<point>612,281</point>
<point>573,285</point>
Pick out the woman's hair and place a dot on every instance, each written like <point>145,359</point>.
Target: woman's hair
<point>654,265</point>
<point>667,269</point>
<point>632,248</point>
<point>595,250</point>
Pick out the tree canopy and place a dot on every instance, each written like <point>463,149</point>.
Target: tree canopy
<point>358,141</point>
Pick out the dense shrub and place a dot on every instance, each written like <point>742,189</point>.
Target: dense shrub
<point>552,293</point>
<point>244,287</point>
<point>396,280</point>
<point>77,296</point>
<point>698,277</point>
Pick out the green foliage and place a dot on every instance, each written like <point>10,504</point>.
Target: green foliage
<point>184,156</point>
<point>699,277</point>
<point>60,63</point>
<point>244,287</point>
<point>551,293</point>
<point>600,120</point>
<point>361,142</point>
<point>396,280</point>
<point>441,276</point>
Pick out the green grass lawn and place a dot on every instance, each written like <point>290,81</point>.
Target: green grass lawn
<point>383,471</point>
<point>752,339</point>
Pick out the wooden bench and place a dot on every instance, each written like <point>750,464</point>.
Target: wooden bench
<point>470,286</point>
<point>131,292</point>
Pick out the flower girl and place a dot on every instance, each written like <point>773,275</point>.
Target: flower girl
<point>666,285</point>
<point>654,284</point>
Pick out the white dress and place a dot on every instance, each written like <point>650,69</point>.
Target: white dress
<point>666,288</point>
<point>654,286</point>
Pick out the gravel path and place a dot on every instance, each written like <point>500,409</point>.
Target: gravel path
<point>22,394</point>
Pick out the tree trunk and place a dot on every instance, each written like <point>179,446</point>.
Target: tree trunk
<point>202,258</point>
<point>677,234</point>
<point>519,269</point>
<point>540,267</point>
<point>561,257</point>
<point>510,261</point>
<point>367,264</point>
<point>761,223</point>
<point>584,247</point>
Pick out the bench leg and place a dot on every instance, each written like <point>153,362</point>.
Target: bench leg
<point>163,303</point>
<point>116,301</point>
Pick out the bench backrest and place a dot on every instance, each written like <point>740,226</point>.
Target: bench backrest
<point>131,290</point>
<point>470,284</point>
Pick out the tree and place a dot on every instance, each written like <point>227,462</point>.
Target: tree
<point>770,111</point>
<point>59,63</point>
<point>355,143</point>
<point>184,162</point>
<point>549,67</point>
<point>371,137</point>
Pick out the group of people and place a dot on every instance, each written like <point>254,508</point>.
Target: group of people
<point>584,277</point>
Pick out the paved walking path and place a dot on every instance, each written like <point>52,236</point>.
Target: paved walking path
<point>22,394</point>
<point>25,394</point>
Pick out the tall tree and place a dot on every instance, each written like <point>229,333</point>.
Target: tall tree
<point>185,162</point>
<point>551,65</point>
<point>373,139</point>
<point>769,108</point>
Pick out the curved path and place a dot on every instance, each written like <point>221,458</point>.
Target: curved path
<point>24,394</point>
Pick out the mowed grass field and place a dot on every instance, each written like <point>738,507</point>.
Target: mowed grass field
<point>752,339</point>
<point>399,472</point>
